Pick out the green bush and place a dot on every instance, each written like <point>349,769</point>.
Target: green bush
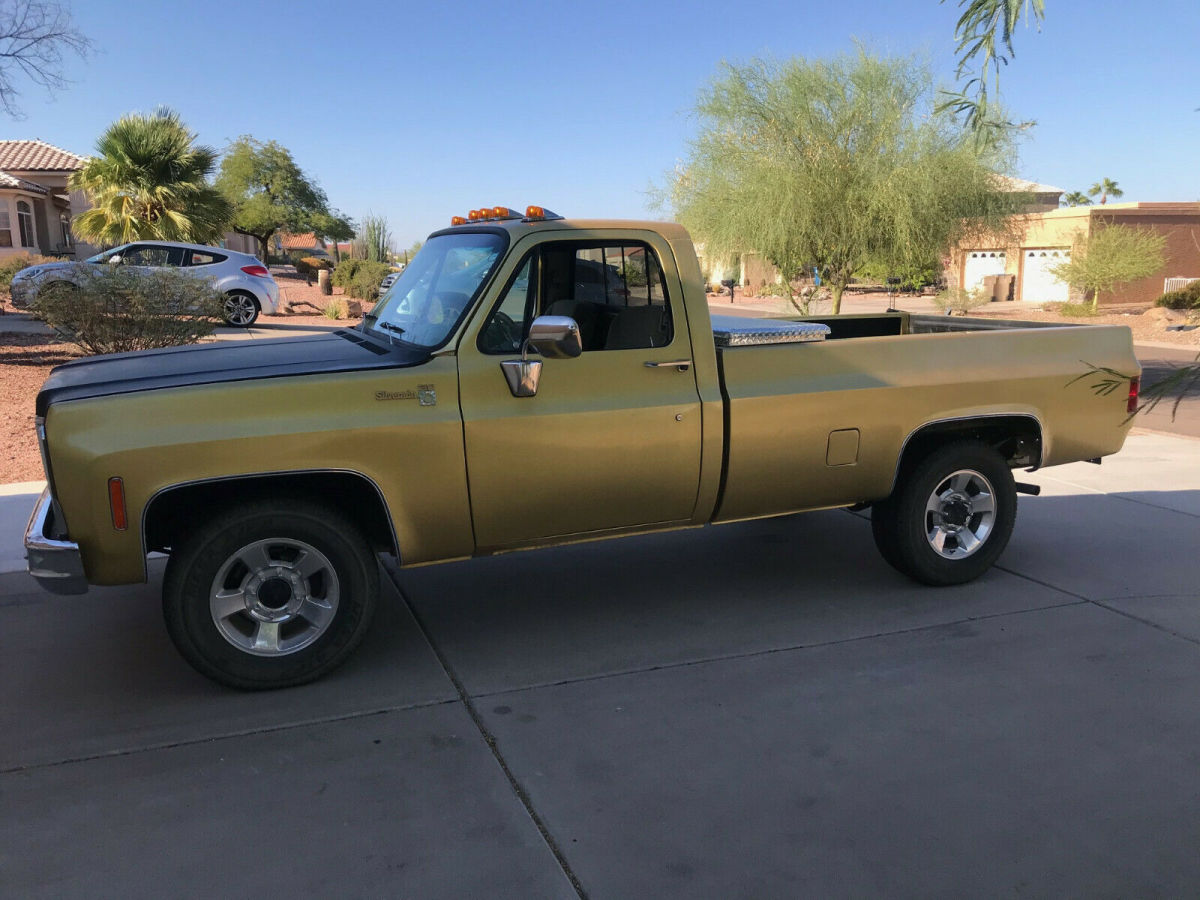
<point>364,285</point>
<point>344,272</point>
<point>961,300</point>
<point>1185,298</point>
<point>14,264</point>
<point>115,310</point>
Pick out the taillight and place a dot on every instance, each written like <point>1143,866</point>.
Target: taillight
<point>116,503</point>
<point>1132,405</point>
<point>258,271</point>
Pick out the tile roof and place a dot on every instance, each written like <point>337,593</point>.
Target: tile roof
<point>11,181</point>
<point>31,156</point>
<point>299,241</point>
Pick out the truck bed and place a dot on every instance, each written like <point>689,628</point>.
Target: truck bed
<point>821,424</point>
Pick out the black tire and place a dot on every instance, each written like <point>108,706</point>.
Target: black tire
<point>334,603</point>
<point>240,309</point>
<point>907,531</point>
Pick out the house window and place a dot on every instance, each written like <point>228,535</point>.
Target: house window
<point>25,222</point>
<point>5,228</point>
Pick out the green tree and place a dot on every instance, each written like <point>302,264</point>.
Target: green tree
<point>1111,255</point>
<point>1106,188</point>
<point>834,163</point>
<point>147,181</point>
<point>335,227</point>
<point>1076,198</point>
<point>269,192</point>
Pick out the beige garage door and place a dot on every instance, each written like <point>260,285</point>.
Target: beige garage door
<point>1037,284</point>
<point>981,263</point>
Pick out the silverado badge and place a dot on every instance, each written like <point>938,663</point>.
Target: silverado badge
<point>425,394</point>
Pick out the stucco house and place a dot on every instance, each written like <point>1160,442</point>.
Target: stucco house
<point>36,206</point>
<point>1040,240</point>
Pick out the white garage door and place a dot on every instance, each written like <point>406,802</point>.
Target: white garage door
<point>1037,284</point>
<point>981,263</point>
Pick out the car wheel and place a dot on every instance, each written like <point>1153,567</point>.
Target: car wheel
<point>950,518</point>
<point>241,309</point>
<point>271,594</point>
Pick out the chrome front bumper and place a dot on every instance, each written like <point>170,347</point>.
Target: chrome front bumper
<point>56,565</point>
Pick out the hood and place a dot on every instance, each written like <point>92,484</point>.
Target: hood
<point>225,361</point>
<point>42,268</point>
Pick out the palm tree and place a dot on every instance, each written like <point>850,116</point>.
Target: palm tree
<point>1106,188</point>
<point>148,182</point>
<point>1077,198</point>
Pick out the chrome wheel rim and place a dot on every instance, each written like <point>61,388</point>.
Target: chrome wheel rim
<point>239,310</point>
<point>960,514</point>
<point>274,597</point>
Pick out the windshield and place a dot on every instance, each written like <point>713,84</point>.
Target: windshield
<point>430,295</point>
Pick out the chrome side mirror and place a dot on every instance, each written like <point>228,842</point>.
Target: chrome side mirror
<point>554,337</point>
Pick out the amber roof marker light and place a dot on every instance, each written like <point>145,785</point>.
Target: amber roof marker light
<point>539,213</point>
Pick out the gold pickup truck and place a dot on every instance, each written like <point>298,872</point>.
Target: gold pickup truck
<point>529,381</point>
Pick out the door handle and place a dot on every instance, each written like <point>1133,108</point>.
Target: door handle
<point>681,364</point>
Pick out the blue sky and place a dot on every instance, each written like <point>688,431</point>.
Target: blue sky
<point>421,111</point>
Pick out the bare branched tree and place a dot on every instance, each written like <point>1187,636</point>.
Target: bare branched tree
<point>35,35</point>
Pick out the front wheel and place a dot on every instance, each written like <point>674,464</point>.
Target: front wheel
<point>240,309</point>
<point>271,594</point>
<point>951,517</point>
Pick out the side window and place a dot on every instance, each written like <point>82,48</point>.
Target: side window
<point>199,258</point>
<point>150,255</point>
<point>616,292</point>
<point>508,323</point>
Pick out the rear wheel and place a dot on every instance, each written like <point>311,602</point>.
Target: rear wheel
<point>240,309</point>
<point>951,517</point>
<point>270,595</point>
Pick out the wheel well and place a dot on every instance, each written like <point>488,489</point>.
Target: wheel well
<point>173,512</point>
<point>1017,438</point>
<point>242,292</point>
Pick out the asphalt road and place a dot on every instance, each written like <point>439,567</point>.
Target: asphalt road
<point>755,710</point>
<point>1159,363</point>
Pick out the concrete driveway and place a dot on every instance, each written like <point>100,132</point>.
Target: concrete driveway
<point>754,710</point>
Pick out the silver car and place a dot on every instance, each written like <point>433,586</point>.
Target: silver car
<point>247,285</point>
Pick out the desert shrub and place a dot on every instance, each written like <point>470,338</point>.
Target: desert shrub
<point>344,272</point>
<point>310,265</point>
<point>334,309</point>
<point>1187,297</point>
<point>367,276</point>
<point>773,289</point>
<point>115,310</point>
<point>961,300</point>
<point>14,264</point>
<point>1074,310</point>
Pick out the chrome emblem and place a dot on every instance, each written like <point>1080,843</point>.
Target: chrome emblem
<point>425,394</point>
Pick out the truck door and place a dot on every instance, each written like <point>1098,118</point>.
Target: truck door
<point>612,438</point>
